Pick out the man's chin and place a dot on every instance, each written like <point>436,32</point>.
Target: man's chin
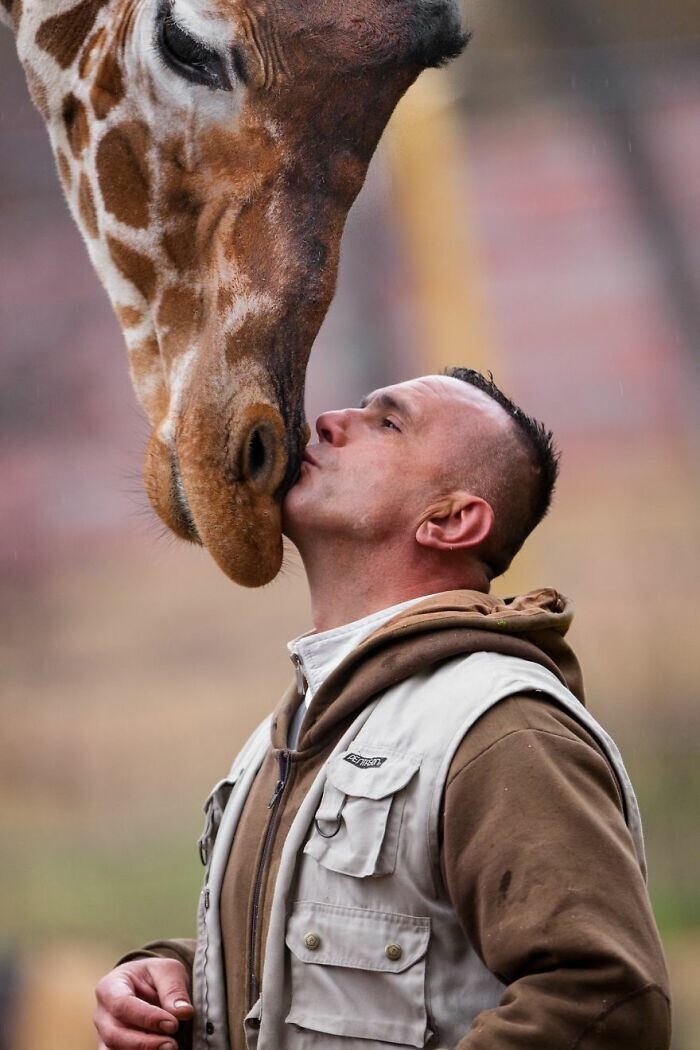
<point>290,515</point>
<point>300,513</point>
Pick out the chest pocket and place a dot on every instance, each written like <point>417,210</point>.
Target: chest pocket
<point>358,973</point>
<point>357,825</point>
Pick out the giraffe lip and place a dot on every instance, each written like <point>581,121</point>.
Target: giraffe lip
<point>182,505</point>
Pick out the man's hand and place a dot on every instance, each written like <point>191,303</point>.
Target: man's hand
<point>140,1005</point>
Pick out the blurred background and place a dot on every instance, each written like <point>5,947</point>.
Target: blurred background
<point>534,210</point>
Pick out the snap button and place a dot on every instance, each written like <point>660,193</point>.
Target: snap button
<point>312,941</point>
<point>393,952</point>
<point>209,1028</point>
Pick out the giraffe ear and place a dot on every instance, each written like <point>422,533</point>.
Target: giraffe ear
<point>436,33</point>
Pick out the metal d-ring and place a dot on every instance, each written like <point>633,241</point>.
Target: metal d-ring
<point>337,820</point>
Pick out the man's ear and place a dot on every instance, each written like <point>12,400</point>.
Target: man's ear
<point>458,521</point>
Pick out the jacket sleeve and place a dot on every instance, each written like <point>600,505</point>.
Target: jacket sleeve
<point>182,949</point>
<point>542,873</point>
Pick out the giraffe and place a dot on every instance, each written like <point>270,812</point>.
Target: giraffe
<point>210,151</point>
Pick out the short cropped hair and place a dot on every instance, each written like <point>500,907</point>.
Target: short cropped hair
<point>516,478</point>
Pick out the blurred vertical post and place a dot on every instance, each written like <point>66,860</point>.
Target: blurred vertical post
<point>57,997</point>
<point>435,215</point>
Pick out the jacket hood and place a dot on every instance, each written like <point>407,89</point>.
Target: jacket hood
<point>531,626</point>
<point>539,619</point>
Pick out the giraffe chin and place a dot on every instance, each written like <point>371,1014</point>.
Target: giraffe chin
<point>249,550</point>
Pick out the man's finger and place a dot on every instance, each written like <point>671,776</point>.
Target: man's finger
<point>170,980</point>
<point>132,1012</point>
<point>114,1036</point>
<point>117,998</point>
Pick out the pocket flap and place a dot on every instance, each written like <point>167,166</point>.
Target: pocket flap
<point>359,938</point>
<point>371,772</point>
<point>218,796</point>
<point>213,811</point>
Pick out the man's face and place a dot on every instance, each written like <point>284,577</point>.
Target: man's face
<point>375,469</point>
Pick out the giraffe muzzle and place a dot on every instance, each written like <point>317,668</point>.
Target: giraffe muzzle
<point>233,487</point>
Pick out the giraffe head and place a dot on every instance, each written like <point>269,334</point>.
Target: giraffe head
<point>210,151</point>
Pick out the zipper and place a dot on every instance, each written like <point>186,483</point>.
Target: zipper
<point>285,762</point>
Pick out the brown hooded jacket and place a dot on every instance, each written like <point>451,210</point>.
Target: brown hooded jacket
<point>536,856</point>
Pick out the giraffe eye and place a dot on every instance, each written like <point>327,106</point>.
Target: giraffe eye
<point>188,57</point>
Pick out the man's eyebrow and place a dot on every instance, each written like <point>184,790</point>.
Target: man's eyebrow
<point>387,401</point>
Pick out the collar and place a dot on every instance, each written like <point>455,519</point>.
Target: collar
<point>316,654</point>
<point>438,628</point>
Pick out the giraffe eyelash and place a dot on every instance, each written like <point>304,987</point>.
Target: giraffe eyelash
<point>186,56</point>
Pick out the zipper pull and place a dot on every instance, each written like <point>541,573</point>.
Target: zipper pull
<point>284,760</point>
<point>279,788</point>
<point>300,677</point>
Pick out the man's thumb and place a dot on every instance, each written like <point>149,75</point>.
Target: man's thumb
<point>181,1006</point>
<point>170,978</point>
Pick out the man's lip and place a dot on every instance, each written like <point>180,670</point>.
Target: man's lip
<point>307,458</point>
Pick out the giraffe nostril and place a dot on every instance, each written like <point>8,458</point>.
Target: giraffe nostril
<point>260,455</point>
<point>256,453</point>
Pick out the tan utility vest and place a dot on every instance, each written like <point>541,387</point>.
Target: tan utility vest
<point>363,950</point>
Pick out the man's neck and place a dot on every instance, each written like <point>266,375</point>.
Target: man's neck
<point>348,585</point>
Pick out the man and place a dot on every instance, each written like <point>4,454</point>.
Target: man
<point>435,844</point>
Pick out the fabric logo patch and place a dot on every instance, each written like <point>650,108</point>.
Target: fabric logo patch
<point>363,763</point>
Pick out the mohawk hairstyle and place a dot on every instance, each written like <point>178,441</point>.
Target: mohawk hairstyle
<point>520,503</point>
<point>436,33</point>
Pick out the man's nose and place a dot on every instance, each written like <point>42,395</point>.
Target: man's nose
<point>332,427</point>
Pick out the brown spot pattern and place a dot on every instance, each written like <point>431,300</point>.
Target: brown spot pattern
<point>179,314</point>
<point>213,222</point>
<point>64,169</point>
<point>255,331</point>
<point>108,89</point>
<point>86,206</point>
<point>254,240</point>
<point>180,243</point>
<point>182,205</point>
<point>123,173</point>
<point>225,298</point>
<point>63,35</point>
<point>91,53</point>
<point>76,124</point>
<point>136,267</point>
<point>145,356</point>
<point>144,363</point>
<point>37,92</point>
<point>128,316</point>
